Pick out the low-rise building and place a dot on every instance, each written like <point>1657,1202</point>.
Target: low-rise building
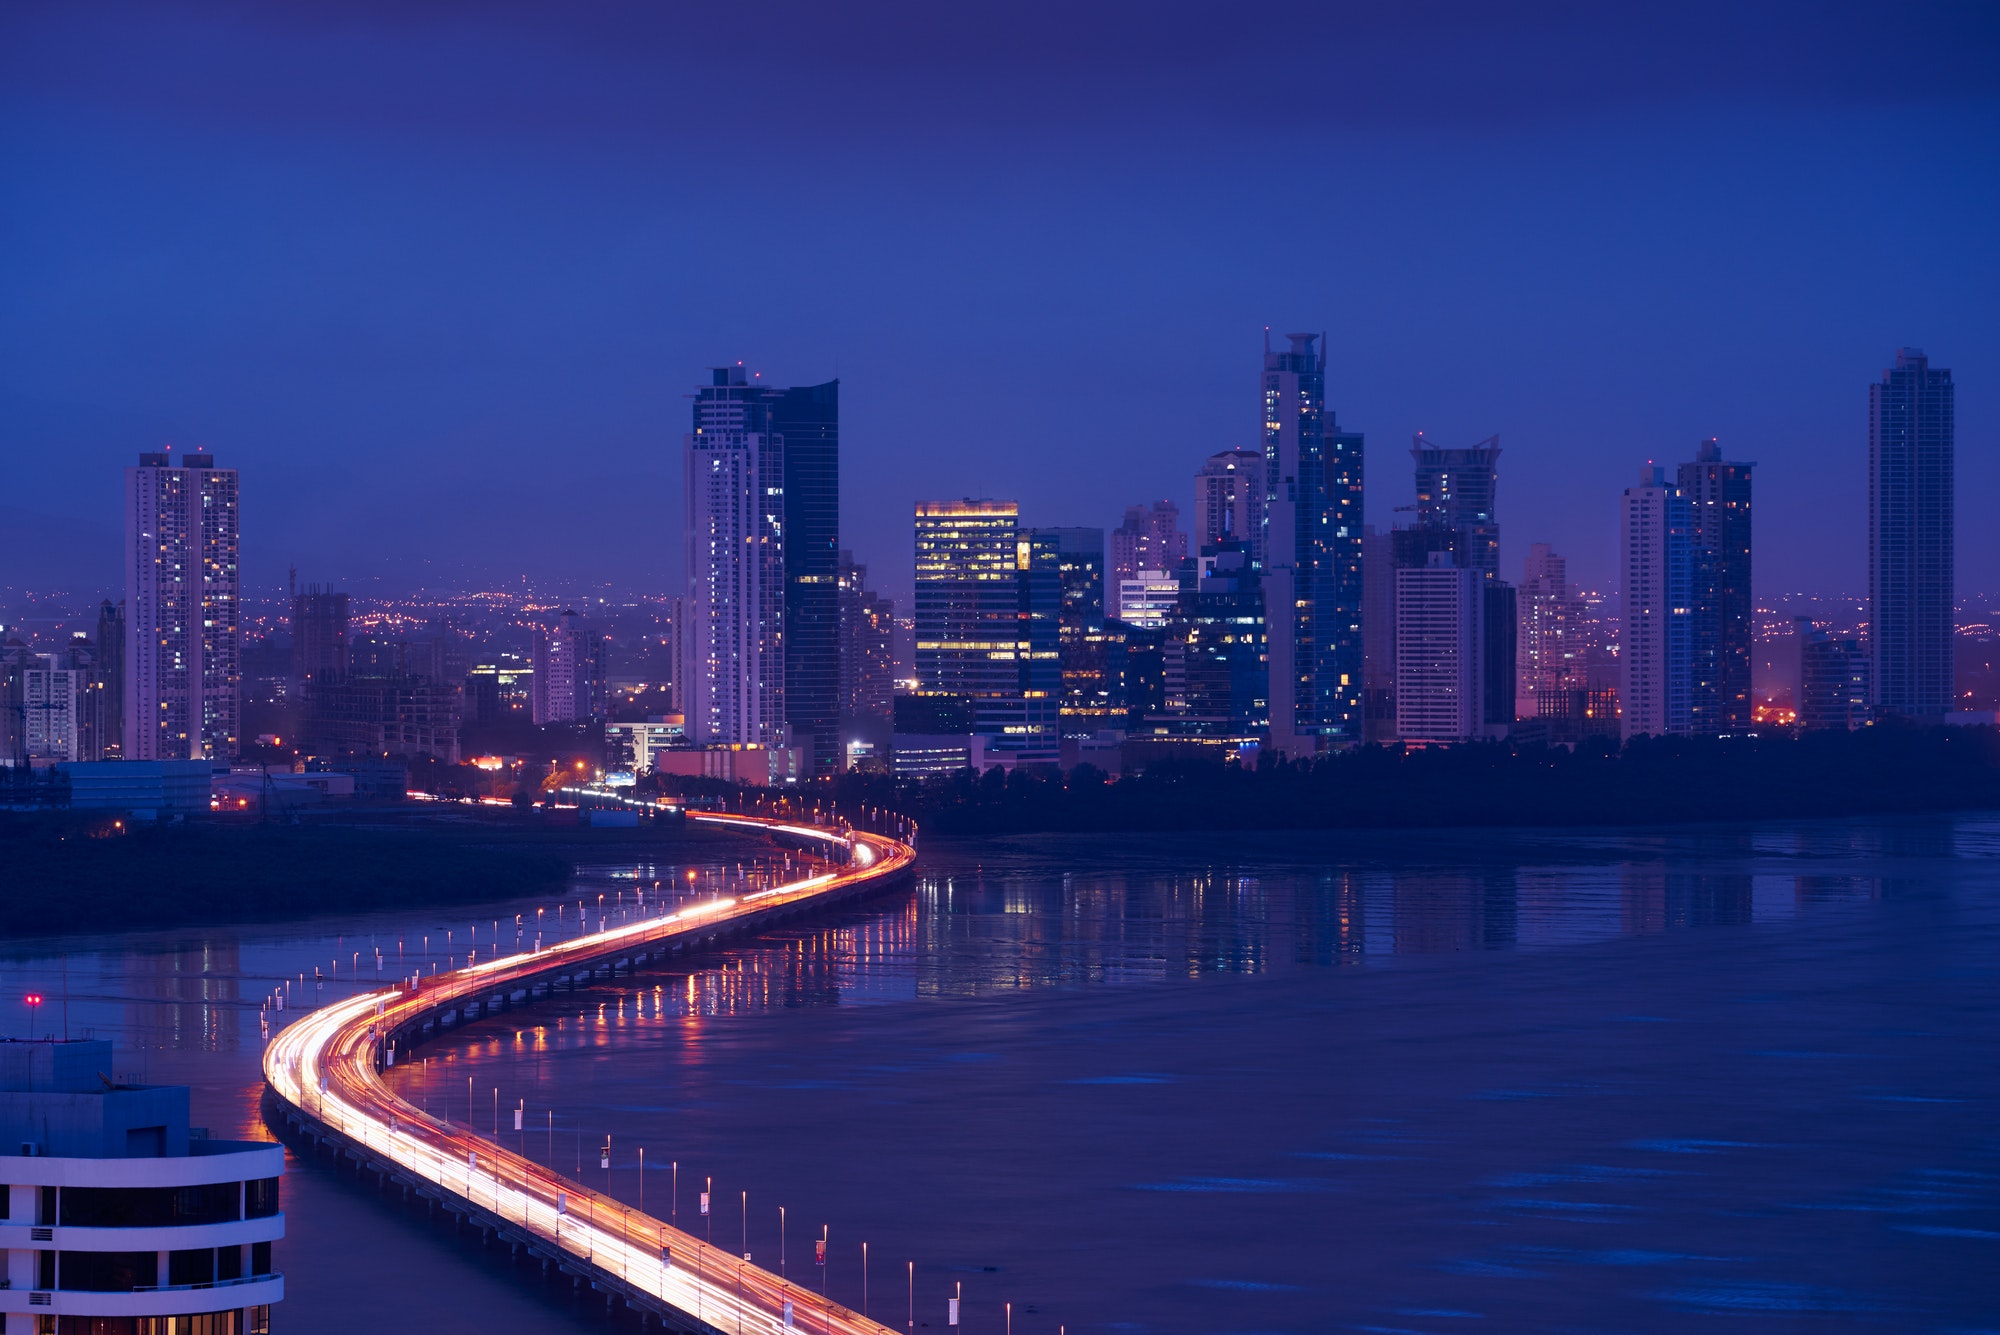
<point>119,1218</point>
<point>144,789</point>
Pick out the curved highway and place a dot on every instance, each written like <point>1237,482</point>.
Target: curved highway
<point>327,1065</point>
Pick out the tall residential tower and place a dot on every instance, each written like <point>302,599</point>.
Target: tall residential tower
<point>183,666</point>
<point>1724,626</point>
<point>1910,466</point>
<point>733,647</point>
<point>1656,656</point>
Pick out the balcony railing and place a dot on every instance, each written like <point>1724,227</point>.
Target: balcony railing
<point>207,1284</point>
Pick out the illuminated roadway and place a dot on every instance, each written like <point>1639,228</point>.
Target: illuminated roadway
<point>327,1068</point>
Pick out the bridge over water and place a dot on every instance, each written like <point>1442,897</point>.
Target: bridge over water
<point>324,1084</point>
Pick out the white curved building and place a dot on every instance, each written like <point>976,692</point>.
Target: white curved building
<point>116,1218</point>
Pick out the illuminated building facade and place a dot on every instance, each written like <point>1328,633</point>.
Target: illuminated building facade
<point>564,686</point>
<point>1550,660</point>
<point>1087,691</point>
<point>1311,555</point>
<point>734,644</point>
<point>867,646</point>
<point>988,613</point>
<point>182,635</point>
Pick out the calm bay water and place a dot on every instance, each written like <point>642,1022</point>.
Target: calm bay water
<point>1436,1081</point>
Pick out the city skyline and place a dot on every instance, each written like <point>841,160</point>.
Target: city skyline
<point>446,295</point>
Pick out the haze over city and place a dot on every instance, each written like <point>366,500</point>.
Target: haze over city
<point>1132,669</point>
<point>440,278</point>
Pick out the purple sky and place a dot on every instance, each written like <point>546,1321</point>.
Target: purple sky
<point>438,276</point>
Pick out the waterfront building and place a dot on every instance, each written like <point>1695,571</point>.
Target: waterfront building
<point>1225,677</point>
<point>1911,458</point>
<point>734,646</point>
<point>182,634</point>
<point>1656,656</point>
<point>759,652</point>
<point>1083,699</point>
<point>1833,679</point>
<point>806,420</point>
<point>936,733</point>
<point>1441,654</point>
<point>565,677</point>
<point>121,1217</point>
<point>1149,539</point>
<point>1229,501</point>
<point>1723,625</point>
<point>1311,554</point>
<point>988,613</point>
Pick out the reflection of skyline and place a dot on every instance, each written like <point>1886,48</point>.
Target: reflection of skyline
<point>975,929</point>
<point>185,998</point>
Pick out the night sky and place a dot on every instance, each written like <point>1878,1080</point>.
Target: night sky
<point>438,277</point>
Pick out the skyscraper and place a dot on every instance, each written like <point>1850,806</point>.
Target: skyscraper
<point>807,422</point>
<point>1724,626</point>
<point>1378,634</point>
<point>1085,704</point>
<point>1550,658</point>
<point>1910,536</point>
<point>1149,539</point>
<point>1656,658</point>
<point>51,693</point>
<point>1229,501</point>
<point>733,646</point>
<point>867,647</point>
<point>988,612</point>
<point>183,661</point>
<point>1456,490</point>
<point>109,683</point>
<point>1312,555</point>
<point>1440,652</point>
<point>563,686</point>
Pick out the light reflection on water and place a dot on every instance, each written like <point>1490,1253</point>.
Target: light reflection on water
<point>1002,915</point>
<point>985,920</point>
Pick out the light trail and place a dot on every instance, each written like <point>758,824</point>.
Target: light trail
<point>325,1064</point>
